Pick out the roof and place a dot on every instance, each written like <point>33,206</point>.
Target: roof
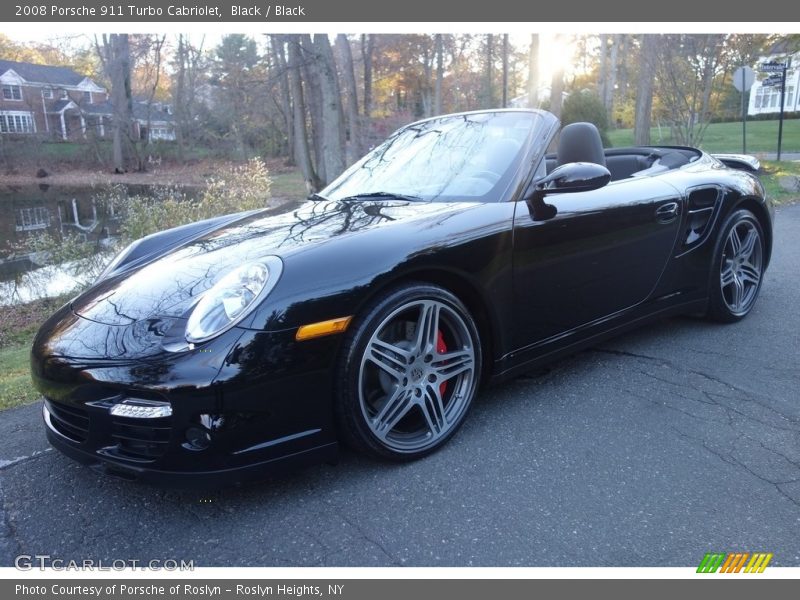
<point>60,105</point>
<point>140,111</point>
<point>42,73</point>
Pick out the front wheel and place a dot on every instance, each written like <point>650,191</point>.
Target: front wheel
<point>409,371</point>
<point>738,268</point>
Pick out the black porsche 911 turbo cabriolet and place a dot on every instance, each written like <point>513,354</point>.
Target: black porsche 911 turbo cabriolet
<point>455,254</point>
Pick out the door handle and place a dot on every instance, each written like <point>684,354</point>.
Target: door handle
<point>667,213</point>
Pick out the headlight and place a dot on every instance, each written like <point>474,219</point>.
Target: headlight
<point>232,298</point>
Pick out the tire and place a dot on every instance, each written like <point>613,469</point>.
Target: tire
<point>401,396</point>
<point>737,270</point>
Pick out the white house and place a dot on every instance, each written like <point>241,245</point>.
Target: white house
<point>767,99</point>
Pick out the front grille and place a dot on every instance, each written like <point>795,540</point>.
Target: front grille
<point>69,420</point>
<point>141,440</point>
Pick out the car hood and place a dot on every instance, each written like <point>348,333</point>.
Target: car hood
<point>170,285</point>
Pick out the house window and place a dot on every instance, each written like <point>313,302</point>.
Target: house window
<point>14,121</point>
<point>47,93</point>
<point>63,94</point>
<point>12,92</point>
<point>30,219</point>
<point>87,97</point>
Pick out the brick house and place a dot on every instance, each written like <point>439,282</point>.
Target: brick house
<point>57,102</point>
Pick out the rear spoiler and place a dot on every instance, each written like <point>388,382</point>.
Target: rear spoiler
<point>742,162</point>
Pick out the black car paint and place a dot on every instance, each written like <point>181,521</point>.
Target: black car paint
<point>538,289</point>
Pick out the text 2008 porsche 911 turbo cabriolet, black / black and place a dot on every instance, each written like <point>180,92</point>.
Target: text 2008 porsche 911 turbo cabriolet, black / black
<point>455,254</point>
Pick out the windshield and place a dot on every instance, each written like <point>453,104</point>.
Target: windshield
<point>457,157</point>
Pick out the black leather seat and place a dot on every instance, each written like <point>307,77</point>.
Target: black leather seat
<point>580,142</point>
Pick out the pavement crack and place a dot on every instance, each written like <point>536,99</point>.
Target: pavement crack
<point>630,354</point>
<point>728,458</point>
<point>11,462</point>
<point>9,528</point>
<point>372,540</point>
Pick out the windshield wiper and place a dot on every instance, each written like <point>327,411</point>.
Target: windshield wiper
<point>318,197</point>
<point>378,195</point>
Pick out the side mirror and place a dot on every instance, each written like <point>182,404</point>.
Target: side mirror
<point>574,177</point>
<point>568,178</point>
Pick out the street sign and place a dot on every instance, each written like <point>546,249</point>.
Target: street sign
<point>774,80</point>
<point>771,67</point>
<point>743,78</point>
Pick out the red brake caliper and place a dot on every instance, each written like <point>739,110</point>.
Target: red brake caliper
<point>441,348</point>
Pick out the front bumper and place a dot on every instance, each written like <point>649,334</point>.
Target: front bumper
<point>261,401</point>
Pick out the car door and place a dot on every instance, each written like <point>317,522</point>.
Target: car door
<point>602,252</point>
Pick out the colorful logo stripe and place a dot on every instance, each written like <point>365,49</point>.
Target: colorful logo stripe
<point>733,562</point>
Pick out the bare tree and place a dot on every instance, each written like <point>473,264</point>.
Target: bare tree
<point>310,68</point>
<point>278,48</point>
<point>333,135</point>
<point>611,80</point>
<point>115,56</point>
<point>349,77</point>
<point>367,45</point>
<point>644,89</point>
<point>687,65</point>
<point>187,68</point>
<point>301,146</point>
<point>505,70</point>
<point>533,72</point>
<point>557,89</point>
<point>489,82</point>
<point>155,48</point>
<point>437,88</point>
<point>602,81</point>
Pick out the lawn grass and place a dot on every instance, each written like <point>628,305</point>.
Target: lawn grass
<point>762,136</point>
<point>18,326</point>
<point>16,388</point>
<point>288,185</point>
<point>771,173</point>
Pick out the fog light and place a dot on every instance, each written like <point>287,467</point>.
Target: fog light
<point>142,409</point>
<point>197,438</point>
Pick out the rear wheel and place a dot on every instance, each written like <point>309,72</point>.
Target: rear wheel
<point>738,268</point>
<point>409,371</point>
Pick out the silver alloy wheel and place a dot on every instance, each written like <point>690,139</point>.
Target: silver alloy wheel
<point>740,269</point>
<point>417,375</point>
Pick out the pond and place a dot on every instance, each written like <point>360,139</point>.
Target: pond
<point>28,210</point>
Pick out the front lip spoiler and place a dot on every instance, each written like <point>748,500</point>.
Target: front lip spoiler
<point>198,480</point>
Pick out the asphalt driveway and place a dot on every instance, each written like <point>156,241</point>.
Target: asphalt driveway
<point>651,450</point>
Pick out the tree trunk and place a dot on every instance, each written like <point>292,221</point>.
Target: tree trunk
<point>612,79</point>
<point>622,77</point>
<point>644,90</point>
<point>301,147</point>
<point>557,89</point>
<point>437,89</point>
<point>602,82</point>
<point>426,88</point>
<point>279,52</point>
<point>180,98</point>
<point>333,135</point>
<point>348,71</point>
<point>367,44</point>
<point>505,70</point>
<point>310,68</point>
<point>533,72</point>
<point>489,93</point>
<point>118,68</point>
